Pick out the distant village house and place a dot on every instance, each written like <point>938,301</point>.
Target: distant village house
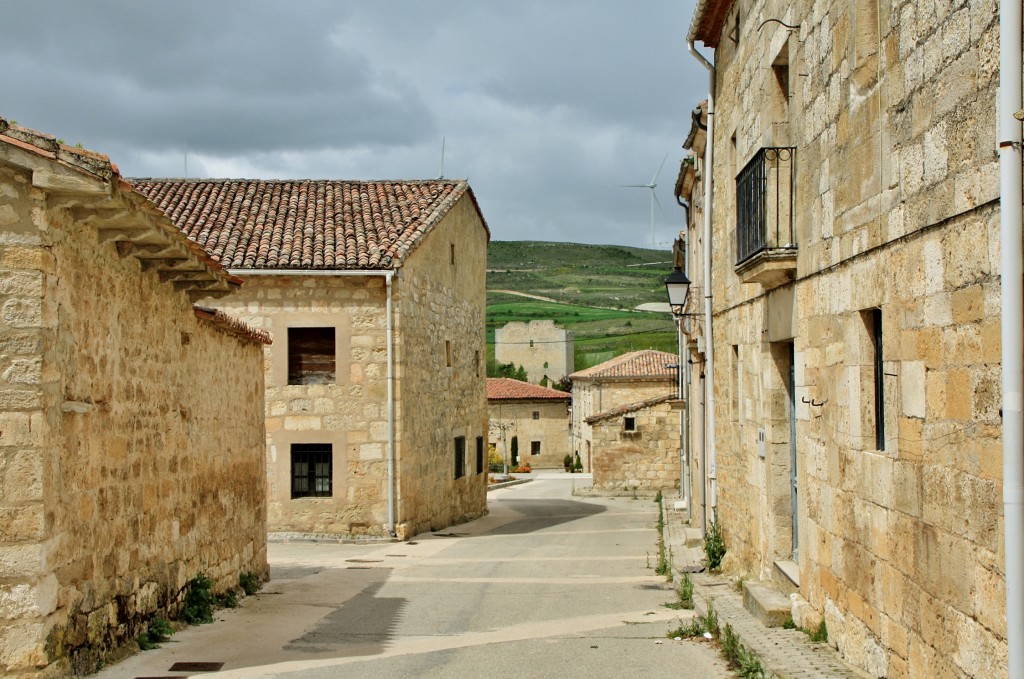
<point>537,417</point>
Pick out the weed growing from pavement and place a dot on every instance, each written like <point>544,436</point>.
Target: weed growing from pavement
<point>199,600</point>
<point>158,631</point>
<point>714,546</point>
<point>249,582</point>
<point>819,635</point>
<point>740,658</point>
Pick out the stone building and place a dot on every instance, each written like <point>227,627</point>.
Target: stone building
<point>627,379</point>
<point>131,423</point>
<point>542,349</point>
<point>855,300</point>
<point>376,406</point>
<point>636,447</point>
<point>537,416</point>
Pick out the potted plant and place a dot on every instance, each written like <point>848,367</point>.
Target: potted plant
<point>567,462</point>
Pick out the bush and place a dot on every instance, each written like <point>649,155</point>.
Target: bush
<point>199,600</point>
<point>249,582</point>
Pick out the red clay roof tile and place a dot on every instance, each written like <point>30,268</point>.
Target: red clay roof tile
<point>305,224</point>
<point>636,364</point>
<point>505,388</point>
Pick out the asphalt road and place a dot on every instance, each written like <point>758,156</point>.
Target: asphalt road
<point>547,585</point>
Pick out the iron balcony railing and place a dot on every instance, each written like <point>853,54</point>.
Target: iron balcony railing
<point>764,203</point>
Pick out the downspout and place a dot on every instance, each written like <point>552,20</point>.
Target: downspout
<point>1012,301</point>
<point>684,387</point>
<point>709,347</point>
<point>391,408</point>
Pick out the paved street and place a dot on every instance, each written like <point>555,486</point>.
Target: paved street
<point>547,585</point>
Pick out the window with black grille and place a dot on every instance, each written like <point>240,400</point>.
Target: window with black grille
<point>311,469</point>
<point>311,356</point>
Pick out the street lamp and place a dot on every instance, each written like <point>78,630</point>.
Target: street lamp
<point>677,285</point>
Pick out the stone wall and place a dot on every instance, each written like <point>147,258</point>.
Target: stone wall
<point>131,444</point>
<point>891,111</point>
<point>442,372</point>
<point>550,429</point>
<point>349,414</point>
<point>544,350</point>
<point>645,460</point>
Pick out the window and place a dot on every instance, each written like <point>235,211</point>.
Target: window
<point>479,454</point>
<point>629,424</point>
<point>534,447</point>
<point>311,470</point>
<point>452,255</point>
<point>311,356</point>
<point>448,353</point>
<point>874,319</point>
<point>460,456</point>
<point>536,414</point>
<point>476,362</point>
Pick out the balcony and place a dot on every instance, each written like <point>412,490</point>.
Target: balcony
<point>765,239</point>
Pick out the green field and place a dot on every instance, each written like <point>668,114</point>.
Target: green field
<point>595,289</point>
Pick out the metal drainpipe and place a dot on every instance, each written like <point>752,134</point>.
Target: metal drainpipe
<point>709,384</point>
<point>1012,301</point>
<point>391,410</point>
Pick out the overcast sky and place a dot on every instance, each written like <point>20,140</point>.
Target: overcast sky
<point>546,105</point>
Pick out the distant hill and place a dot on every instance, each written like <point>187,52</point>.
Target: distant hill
<point>592,290</point>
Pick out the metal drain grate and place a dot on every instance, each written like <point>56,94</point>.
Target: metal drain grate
<point>196,667</point>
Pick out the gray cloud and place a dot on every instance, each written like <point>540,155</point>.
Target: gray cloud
<point>546,106</point>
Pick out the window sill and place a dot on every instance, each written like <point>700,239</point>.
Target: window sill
<point>770,267</point>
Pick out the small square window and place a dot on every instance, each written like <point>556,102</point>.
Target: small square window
<point>312,466</point>
<point>460,456</point>
<point>629,424</point>
<point>311,356</point>
<point>536,414</point>
<point>534,447</point>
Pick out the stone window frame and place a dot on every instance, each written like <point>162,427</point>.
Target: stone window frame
<point>534,447</point>
<point>280,324</point>
<point>316,454</point>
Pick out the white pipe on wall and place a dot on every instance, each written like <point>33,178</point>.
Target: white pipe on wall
<point>709,348</point>
<point>1012,301</point>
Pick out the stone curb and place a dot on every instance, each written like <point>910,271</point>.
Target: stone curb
<point>506,484</point>
<point>784,653</point>
<point>330,538</point>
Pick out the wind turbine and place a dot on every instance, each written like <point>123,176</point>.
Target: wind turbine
<point>654,199</point>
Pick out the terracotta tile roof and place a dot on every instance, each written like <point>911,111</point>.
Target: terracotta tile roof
<point>305,224</point>
<point>629,408</point>
<point>507,389</point>
<point>232,325</point>
<point>708,19</point>
<point>93,185</point>
<point>636,364</point>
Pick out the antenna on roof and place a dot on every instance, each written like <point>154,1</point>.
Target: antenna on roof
<point>441,176</point>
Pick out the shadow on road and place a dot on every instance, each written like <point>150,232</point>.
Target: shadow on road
<point>362,625</point>
<point>545,513</point>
